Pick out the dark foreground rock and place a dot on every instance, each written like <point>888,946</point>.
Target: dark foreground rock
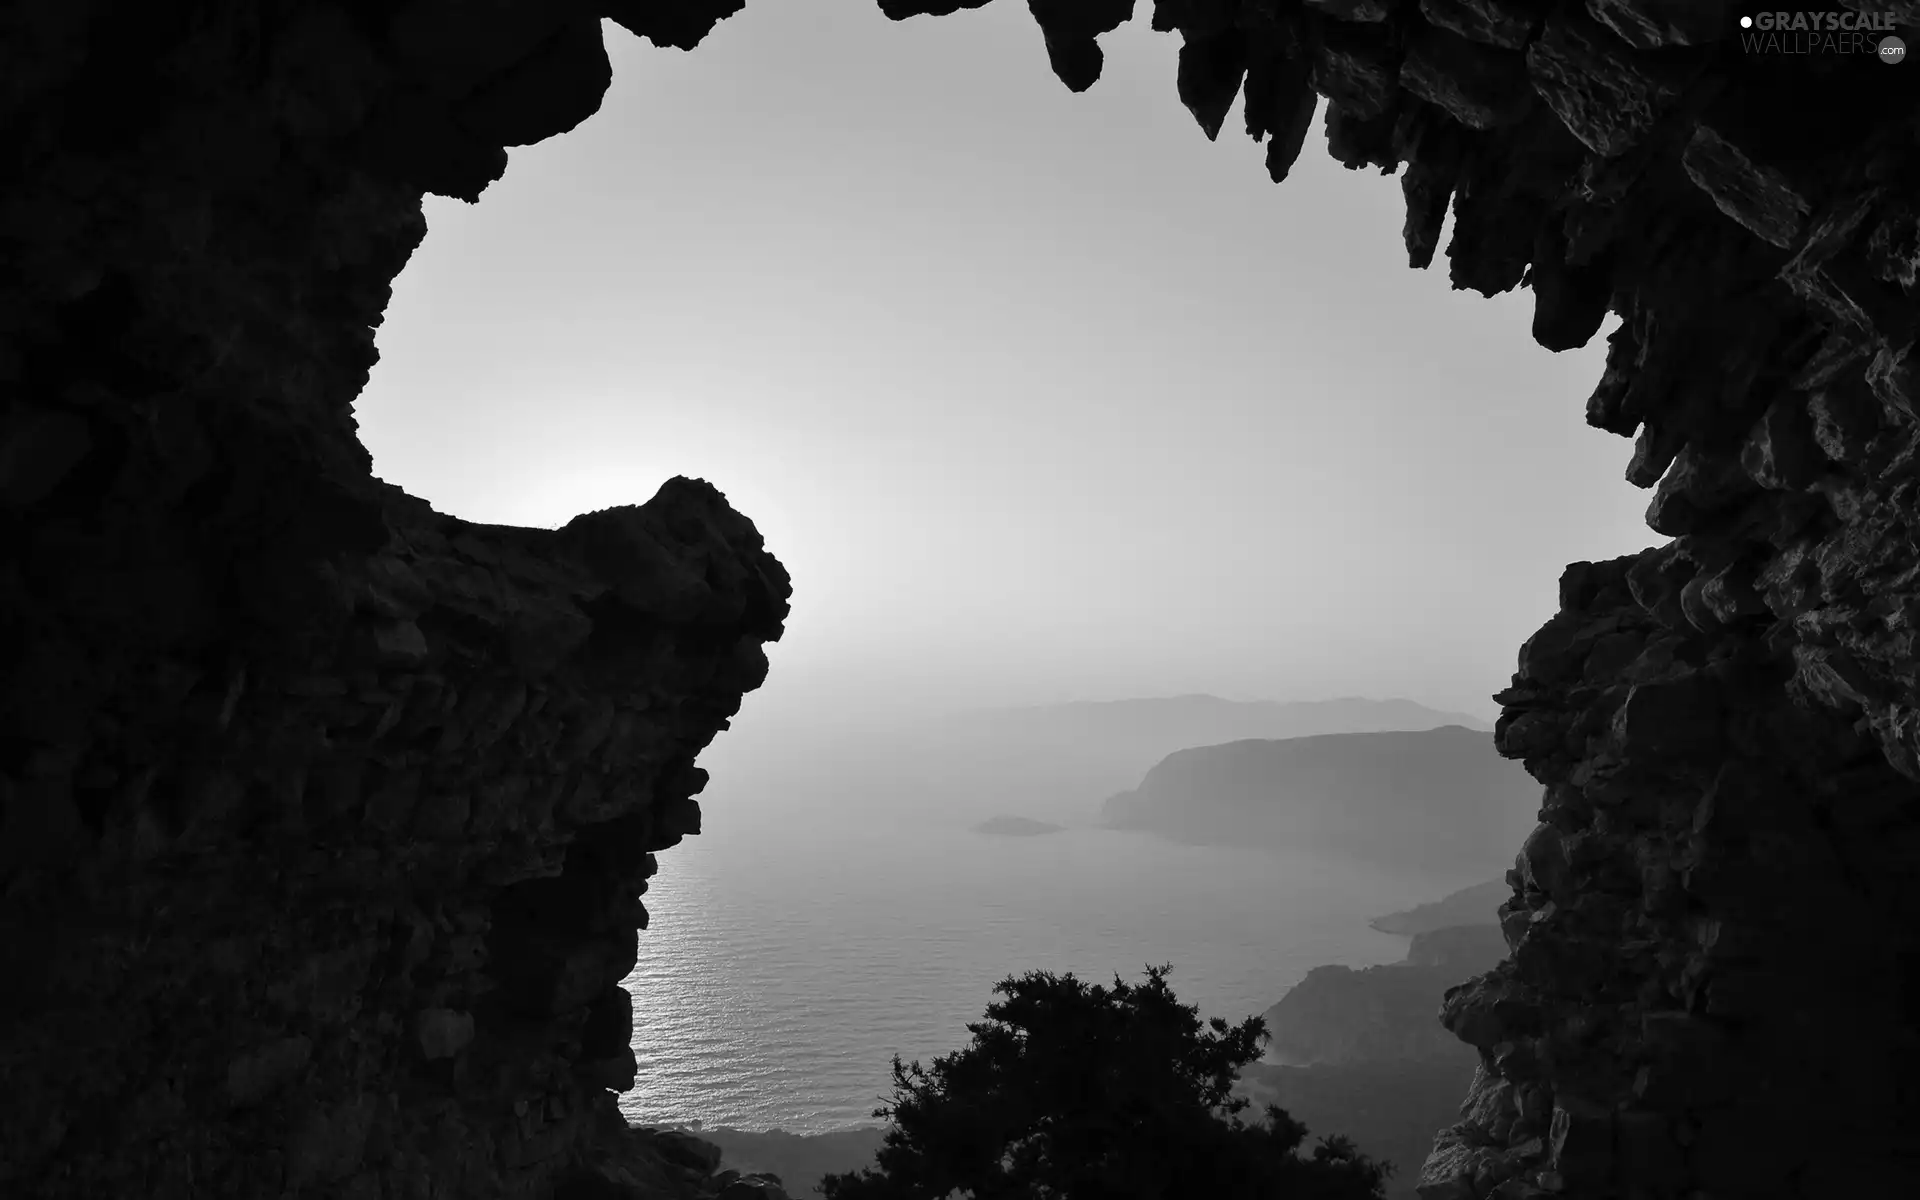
<point>323,818</point>
<point>364,903</point>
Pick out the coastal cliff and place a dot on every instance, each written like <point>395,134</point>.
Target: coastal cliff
<point>1340,1016</point>
<point>1375,1014</point>
<point>326,816</point>
<point>1359,1052</point>
<point>1476,905</point>
<point>1440,801</point>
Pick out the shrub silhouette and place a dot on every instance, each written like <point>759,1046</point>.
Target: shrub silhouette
<point>1072,1091</point>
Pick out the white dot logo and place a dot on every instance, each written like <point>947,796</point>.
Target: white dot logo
<point>1746,22</point>
<point>1892,50</point>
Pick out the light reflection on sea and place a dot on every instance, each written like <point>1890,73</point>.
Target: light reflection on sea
<point>784,966</point>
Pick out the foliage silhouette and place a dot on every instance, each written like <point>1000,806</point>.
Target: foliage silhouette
<point>1072,1091</point>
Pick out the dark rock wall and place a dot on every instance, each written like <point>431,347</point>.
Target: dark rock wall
<point>325,817</point>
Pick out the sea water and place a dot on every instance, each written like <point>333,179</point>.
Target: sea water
<point>787,962</point>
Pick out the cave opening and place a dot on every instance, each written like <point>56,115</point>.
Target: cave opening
<point>201,880</point>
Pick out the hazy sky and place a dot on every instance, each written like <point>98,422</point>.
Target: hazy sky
<point>1038,396</point>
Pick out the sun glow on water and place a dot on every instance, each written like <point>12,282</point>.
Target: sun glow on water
<point>782,970</point>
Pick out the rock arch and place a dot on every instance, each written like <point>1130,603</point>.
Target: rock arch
<point>325,815</point>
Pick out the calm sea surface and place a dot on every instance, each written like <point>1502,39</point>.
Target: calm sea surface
<point>785,965</point>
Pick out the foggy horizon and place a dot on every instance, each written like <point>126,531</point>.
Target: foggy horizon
<point>1040,397</point>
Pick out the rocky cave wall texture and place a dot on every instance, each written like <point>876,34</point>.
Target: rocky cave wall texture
<point>326,816</point>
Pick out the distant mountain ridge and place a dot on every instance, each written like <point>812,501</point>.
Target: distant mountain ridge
<point>1058,761</point>
<point>1441,801</point>
<point>1213,719</point>
<point>1051,762</point>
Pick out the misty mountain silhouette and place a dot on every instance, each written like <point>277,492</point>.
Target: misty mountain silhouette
<point>1052,762</point>
<point>1065,758</point>
<point>1202,720</point>
<point>1441,801</point>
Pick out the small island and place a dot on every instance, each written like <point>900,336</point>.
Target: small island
<point>1015,827</point>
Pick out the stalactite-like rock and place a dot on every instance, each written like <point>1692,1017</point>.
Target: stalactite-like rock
<point>326,817</point>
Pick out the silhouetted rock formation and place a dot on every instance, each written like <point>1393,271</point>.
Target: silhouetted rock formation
<point>1440,800</point>
<point>1015,827</point>
<point>1476,905</point>
<point>324,815</point>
